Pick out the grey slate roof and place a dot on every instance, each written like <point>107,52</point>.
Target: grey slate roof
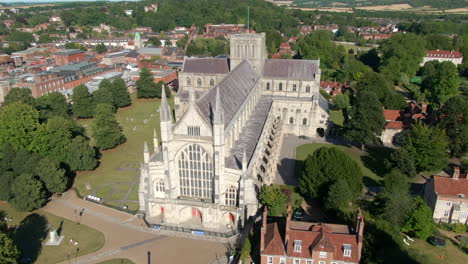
<point>206,65</point>
<point>68,52</point>
<point>233,90</point>
<point>150,51</point>
<point>293,69</point>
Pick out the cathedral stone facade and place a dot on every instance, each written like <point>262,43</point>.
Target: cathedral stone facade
<point>224,144</point>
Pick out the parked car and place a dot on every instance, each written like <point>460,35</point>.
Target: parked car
<point>297,216</point>
<point>304,137</point>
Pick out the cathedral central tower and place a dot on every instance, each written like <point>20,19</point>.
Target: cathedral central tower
<point>249,47</point>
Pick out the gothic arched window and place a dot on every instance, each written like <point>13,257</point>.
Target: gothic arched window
<point>189,82</point>
<point>268,86</point>
<point>304,121</point>
<point>294,87</point>
<point>231,196</point>
<point>291,120</point>
<point>159,185</point>
<point>308,89</point>
<point>280,87</point>
<point>195,172</point>
<point>211,82</point>
<point>198,82</point>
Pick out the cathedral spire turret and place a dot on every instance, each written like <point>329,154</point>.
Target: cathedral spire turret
<point>219,111</point>
<point>164,108</point>
<point>191,95</point>
<point>244,162</point>
<point>146,154</point>
<point>155,141</point>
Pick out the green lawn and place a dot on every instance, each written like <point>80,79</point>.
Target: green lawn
<point>337,117</point>
<point>32,234</point>
<point>117,261</point>
<point>370,161</point>
<point>423,252</point>
<point>353,47</point>
<point>116,178</point>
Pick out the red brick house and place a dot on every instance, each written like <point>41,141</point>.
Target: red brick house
<point>333,88</point>
<point>295,242</point>
<point>68,55</point>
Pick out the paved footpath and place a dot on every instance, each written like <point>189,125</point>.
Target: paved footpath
<point>127,237</point>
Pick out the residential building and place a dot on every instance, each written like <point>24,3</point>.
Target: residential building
<point>443,55</point>
<point>67,56</point>
<point>295,242</point>
<point>115,57</point>
<point>448,197</point>
<point>217,154</point>
<point>42,83</point>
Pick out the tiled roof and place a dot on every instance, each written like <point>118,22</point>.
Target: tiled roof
<point>443,54</point>
<point>206,65</point>
<point>68,52</point>
<point>317,237</point>
<point>394,125</point>
<point>273,241</point>
<point>451,187</point>
<point>294,69</point>
<point>233,90</point>
<point>391,115</point>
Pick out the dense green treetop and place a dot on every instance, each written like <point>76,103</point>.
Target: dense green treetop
<point>19,94</point>
<point>9,253</point>
<point>19,123</point>
<point>454,119</point>
<point>420,223</point>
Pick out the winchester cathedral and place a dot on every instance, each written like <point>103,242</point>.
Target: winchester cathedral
<point>225,140</point>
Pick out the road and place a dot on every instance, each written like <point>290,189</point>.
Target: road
<point>127,237</point>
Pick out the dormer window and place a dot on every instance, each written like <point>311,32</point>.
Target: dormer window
<point>323,254</point>
<point>297,245</point>
<point>347,250</point>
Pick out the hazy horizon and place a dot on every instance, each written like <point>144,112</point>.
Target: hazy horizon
<point>52,1</point>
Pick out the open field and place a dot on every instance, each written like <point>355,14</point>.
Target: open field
<point>423,252</point>
<point>336,116</point>
<point>394,7</point>
<point>117,177</point>
<point>33,233</point>
<point>25,6</point>
<point>370,161</point>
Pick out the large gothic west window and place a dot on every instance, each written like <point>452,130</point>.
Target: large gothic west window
<point>195,172</point>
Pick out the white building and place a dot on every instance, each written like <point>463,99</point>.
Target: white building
<point>448,197</point>
<point>227,136</point>
<point>443,55</point>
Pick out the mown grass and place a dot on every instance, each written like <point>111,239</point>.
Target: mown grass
<point>33,234</point>
<point>121,164</point>
<point>117,261</point>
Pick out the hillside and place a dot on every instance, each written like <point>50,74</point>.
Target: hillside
<point>437,4</point>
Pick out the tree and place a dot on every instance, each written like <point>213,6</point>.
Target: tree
<point>366,119</point>
<point>454,119</point>
<point>341,101</point>
<point>154,41</point>
<point>445,83</point>
<point>82,102</point>
<point>383,88</point>
<point>402,53</point>
<point>370,58</point>
<point>428,146</point>
<point>420,223</point>
<point>52,175</point>
<point>18,125</point>
<point>320,172</point>
<point>106,130</point>
<point>104,95</point>
<point>339,196</point>
<point>120,95</point>
<point>6,179</point>
<point>273,197</point>
<point>19,94</point>
<point>181,43</point>
<point>18,36</point>
<point>9,253</point>
<point>101,48</point>
<point>401,160</point>
<point>80,155</point>
<point>28,193</point>
<point>352,70</point>
<point>52,104</point>
<point>146,88</point>
<point>397,201</point>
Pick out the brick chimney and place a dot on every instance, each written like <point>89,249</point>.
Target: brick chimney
<point>456,173</point>
<point>263,229</point>
<point>359,232</point>
<point>288,223</point>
